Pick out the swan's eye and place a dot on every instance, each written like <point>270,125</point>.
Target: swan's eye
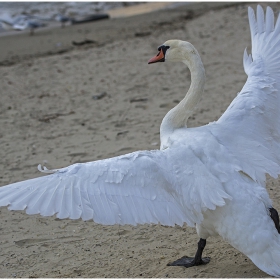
<point>163,48</point>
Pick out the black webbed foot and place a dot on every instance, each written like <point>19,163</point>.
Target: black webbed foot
<point>197,260</point>
<point>189,262</point>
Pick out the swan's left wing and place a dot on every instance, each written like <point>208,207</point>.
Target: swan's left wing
<point>250,127</point>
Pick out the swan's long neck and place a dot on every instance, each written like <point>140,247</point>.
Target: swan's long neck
<point>178,116</point>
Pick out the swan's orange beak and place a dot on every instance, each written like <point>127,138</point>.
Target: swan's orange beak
<point>158,58</point>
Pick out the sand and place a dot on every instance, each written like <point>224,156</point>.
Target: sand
<point>63,104</point>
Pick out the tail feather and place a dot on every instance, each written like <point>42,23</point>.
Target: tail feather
<point>268,260</point>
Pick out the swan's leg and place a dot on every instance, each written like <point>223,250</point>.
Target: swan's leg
<point>275,217</point>
<point>197,260</point>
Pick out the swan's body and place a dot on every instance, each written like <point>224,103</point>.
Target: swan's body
<point>211,177</point>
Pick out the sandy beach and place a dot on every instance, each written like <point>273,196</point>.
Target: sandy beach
<point>63,102</point>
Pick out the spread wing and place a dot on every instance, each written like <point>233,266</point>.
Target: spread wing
<point>250,127</point>
<point>137,188</point>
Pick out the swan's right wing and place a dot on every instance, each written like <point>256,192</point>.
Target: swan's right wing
<point>168,187</point>
<point>130,189</point>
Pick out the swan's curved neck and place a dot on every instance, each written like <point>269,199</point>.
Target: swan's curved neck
<point>178,116</point>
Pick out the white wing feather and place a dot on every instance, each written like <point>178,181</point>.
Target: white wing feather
<point>254,115</point>
<point>137,188</point>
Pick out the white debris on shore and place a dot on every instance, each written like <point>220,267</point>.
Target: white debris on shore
<point>10,11</point>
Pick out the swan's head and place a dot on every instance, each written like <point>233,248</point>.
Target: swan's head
<point>174,50</point>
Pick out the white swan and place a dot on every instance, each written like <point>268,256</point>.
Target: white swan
<point>211,177</point>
